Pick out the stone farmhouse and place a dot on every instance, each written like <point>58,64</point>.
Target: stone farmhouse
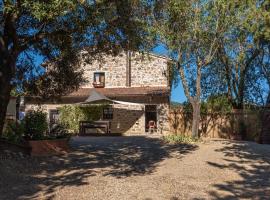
<point>139,80</point>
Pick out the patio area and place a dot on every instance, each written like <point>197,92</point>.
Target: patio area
<point>141,168</point>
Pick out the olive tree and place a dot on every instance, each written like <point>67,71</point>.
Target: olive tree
<point>242,54</point>
<point>191,30</point>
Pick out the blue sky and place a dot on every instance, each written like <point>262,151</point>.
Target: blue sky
<point>177,94</point>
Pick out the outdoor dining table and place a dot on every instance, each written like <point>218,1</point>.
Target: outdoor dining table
<point>102,124</point>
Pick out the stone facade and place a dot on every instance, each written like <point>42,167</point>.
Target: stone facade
<point>163,124</point>
<point>146,70</point>
<point>141,72</point>
<point>127,119</point>
<point>130,119</point>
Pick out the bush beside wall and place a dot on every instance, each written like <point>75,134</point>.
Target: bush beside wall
<point>36,124</point>
<point>71,115</point>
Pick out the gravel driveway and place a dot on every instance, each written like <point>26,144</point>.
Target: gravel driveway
<point>117,168</point>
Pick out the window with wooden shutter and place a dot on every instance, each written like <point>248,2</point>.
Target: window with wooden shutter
<point>99,80</point>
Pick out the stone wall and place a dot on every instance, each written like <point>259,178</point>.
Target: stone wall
<point>146,70</point>
<point>128,119</point>
<point>163,123</point>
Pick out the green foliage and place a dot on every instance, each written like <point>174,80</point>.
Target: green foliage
<point>215,104</point>
<point>175,105</point>
<point>224,37</point>
<point>48,11</point>
<point>58,131</point>
<point>176,139</point>
<point>235,69</point>
<point>70,116</point>
<point>190,30</point>
<point>173,75</point>
<point>218,104</point>
<point>35,124</point>
<point>14,132</point>
<point>57,31</point>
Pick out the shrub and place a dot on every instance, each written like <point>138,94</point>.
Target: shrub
<point>70,116</point>
<point>35,125</point>
<point>218,103</point>
<point>14,132</point>
<point>174,139</point>
<point>59,131</point>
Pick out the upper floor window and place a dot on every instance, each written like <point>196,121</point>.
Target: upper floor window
<point>99,80</point>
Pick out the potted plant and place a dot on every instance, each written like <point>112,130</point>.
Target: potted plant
<point>42,143</point>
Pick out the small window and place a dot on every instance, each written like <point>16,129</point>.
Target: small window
<point>108,113</point>
<point>99,80</point>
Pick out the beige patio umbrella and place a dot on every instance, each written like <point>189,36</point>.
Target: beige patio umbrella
<point>97,98</point>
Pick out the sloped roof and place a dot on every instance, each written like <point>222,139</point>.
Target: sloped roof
<point>132,94</point>
<point>125,91</point>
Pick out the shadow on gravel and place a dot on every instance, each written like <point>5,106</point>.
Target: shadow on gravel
<point>252,162</point>
<point>109,156</point>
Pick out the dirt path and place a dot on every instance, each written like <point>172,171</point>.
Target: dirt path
<point>142,168</point>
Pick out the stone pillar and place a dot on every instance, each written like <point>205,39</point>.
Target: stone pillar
<point>163,119</point>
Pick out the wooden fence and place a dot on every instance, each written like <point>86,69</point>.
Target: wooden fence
<point>237,124</point>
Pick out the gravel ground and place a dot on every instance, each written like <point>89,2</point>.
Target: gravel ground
<point>130,168</point>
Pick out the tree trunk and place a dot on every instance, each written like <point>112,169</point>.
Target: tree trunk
<point>4,100</point>
<point>9,52</point>
<point>7,68</point>
<point>195,119</point>
<point>195,101</point>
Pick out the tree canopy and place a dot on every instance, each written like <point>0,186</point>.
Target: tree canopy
<point>56,30</point>
<point>217,48</point>
<point>191,31</point>
<point>237,64</point>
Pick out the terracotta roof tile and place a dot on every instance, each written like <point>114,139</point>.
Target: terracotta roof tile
<point>132,94</point>
<point>114,92</point>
